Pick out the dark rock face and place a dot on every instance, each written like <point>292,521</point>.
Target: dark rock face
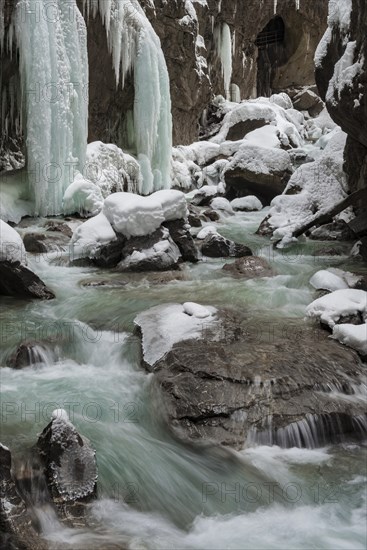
<point>268,384</point>
<point>241,182</point>
<point>349,107</point>
<point>154,252</point>
<point>18,280</point>
<point>181,236</point>
<point>16,530</point>
<point>112,253</point>
<point>28,354</point>
<point>41,243</point>
<point>249,268</point>
<point>59,227</point>
<point>336,231</point>
<point>216,246</point>
<point>70,468</point>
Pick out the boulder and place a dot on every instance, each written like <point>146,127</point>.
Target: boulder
<point>154,252</point>
<point>70,468</point>
<point>307,99</point>
<point>29,354</point>
<point>181,236</point>
<point>335,231</point>
<point>59,227</point>
<point>249,268</point>
<point>41,243</point>
<point>216,246</point>
<point>110,254</point>
<point>244,379</point>
<point>212,215</point>
<point>18,280</point>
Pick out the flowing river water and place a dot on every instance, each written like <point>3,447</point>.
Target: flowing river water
<point>154,491</point>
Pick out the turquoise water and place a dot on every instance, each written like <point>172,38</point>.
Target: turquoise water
<point>155,491</point>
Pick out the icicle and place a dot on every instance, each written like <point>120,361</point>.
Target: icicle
<point>276,6</point>
<point>298,4</point>
<point>54,78</point>
<point>223,40</point>
<point>135,46</point>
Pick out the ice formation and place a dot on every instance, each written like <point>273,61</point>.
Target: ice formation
<point>52,46</point>
<point>135,47</point>
<point>223,40</point>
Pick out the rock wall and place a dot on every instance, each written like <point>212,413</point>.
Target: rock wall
<point>194,63</point>
<point>347,104</point>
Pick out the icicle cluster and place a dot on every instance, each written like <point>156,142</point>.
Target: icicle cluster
<point>54,75</point>
<point>135,47</point>
<point>223,41</point>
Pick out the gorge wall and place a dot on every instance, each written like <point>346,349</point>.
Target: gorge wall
<point>210,48</point>
<point>341,76</point>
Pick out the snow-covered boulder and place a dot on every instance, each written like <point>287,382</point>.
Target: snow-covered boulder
<point>313,189</point>
<point>91,236</point>
<point>134,215</point>
<point>332,308</point>
<point>207,230</point>
<point>15,278</point>
<point>282,100</point>
<point>354,336</point>
<point>82,197</point>
<point>258,171</point>
<point>221,204</point>
<point>246,204</point>
<point>335,279</point>
<point>11,245</point>
<point>70,465</point>
<point>157,252</point>
<point>163,326</point>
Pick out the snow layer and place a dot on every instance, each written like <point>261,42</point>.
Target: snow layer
<point>330,308</point>
<point>165,325</point>
<point>82,197</point>
<point>318,185</point>
<point>133,215</point>
<point>89,237</point>
<point>247,204</point>
<point>207,230</point>
<point>260,160</point>
<point>324,280</point>
<point>334,279</point>
<point>11,245</point>
<point>354,336</point>
<point>135,46</point>
<point>220,203</point>
<point>54,75</point>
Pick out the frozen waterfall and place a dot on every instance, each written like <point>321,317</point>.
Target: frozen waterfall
<point>135,47</point>
<point>52,44</point>
<point>223,41</point>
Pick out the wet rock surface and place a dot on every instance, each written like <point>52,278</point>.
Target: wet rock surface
<point>17,280</point>
<point>249,268</point>
<point>17,531</point>
<point>243,379</point>
<point>216,246</point>
<point>181,236</point>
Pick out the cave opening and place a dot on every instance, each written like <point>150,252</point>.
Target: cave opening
<point>272,53</point>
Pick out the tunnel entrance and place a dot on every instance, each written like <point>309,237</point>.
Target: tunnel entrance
<point>271,43</point>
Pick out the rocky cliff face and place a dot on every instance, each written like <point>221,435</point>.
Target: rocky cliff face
<point>190,33</point>
<point>341,76</point>
<point>193,37</point>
